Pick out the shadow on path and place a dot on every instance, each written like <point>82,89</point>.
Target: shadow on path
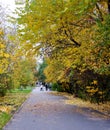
<point>44,111</point>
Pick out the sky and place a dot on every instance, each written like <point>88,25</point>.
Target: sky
<point>10,4</point>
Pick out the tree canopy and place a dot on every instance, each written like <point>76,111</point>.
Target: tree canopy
<point>71,31</point>
<point>72,36</point>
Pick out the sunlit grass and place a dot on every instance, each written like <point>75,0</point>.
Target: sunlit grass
<point>24,90</point>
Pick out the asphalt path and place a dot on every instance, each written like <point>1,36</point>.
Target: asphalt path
<point>44,111</point>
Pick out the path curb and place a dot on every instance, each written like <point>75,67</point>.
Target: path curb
<point>18,109</point>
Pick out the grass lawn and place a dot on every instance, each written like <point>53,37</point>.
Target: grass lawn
<point>10,103</point>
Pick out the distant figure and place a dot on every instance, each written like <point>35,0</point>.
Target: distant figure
<point>41,88</point>
<point>46,87</point>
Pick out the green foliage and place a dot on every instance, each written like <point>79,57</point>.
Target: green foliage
<point>2,91</point>
<point>40,74</point>
<point>5,82</point>
<point>55,86</point>
<point>103,46</point>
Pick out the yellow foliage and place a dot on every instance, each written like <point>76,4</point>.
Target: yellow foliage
<point>6,109</point>
<point>2,46</point>
<point>100,92</point>
<point>95,82</point>
<point>88,87</point>
<point>4,56</point>
<point>92,90</point>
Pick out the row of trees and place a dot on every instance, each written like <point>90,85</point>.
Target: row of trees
<point>74,39</point>
<point>16,68</point>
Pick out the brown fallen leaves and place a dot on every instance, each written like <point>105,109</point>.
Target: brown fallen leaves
<point>11,102</point>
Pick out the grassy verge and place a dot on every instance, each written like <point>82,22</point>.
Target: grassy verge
<point>10,103</point>
<point>4,117</point>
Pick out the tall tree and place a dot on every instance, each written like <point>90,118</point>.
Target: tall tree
<point>76,36</point>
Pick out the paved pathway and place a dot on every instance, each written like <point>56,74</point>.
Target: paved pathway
<point>44,111</point>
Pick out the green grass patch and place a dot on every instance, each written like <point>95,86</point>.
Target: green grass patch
<point>4,118</point>
<point>24,90</point>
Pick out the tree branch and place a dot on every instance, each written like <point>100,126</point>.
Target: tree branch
<point>100,13</point>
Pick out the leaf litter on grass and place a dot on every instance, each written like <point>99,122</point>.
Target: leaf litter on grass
<point>9,104</point>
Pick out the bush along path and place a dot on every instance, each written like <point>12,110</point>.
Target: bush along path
<point>46,111</point>
<point>10,103</point>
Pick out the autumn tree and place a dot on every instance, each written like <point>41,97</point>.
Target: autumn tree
<point>23,73</point>
<point>76,36</point>
<point>4,63</point>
